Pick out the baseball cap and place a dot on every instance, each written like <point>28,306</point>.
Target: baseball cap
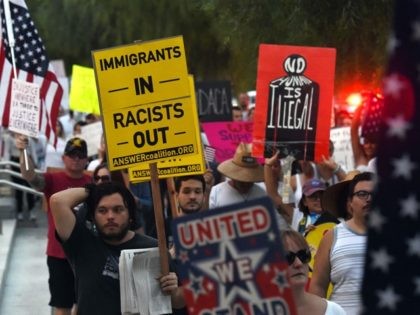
<point>312,186</point>
<point>76,145</point>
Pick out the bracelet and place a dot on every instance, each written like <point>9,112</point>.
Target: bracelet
<point>337,169</point>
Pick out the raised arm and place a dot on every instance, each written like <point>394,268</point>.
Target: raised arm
<point>359,155</point>
<point>321,275</point>
<point>62,204</point>
<point>27,166</point>
<point>271,184</point>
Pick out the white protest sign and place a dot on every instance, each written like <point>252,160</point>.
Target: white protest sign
<point>92,134</point>
<point>343,152</point>
<point>25,108</point>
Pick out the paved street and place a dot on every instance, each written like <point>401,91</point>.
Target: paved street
<point>25,287</point>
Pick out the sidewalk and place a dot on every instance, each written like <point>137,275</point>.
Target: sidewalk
<point>24,280</point>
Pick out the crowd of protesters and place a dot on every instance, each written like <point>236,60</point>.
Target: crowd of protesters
<point>318,193</point>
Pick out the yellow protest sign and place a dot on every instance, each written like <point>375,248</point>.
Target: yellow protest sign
<point>83,95</point>
<point>313,238</point>
<point>178,166</point>
<point>145,101</point>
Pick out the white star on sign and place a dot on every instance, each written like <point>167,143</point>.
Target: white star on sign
<point>388,298</point>
<point>393,86</point>
<point>196,285</point>
<point>381,260</point>
<point>414,245</point>
<point>207,266</point>
<point>403,167</point>
<point>398,127</point>
<point>376,220</point>
<point>410,207</point>
<point>280,280</point>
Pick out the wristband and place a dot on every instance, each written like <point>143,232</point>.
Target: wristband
<point>337,169</point>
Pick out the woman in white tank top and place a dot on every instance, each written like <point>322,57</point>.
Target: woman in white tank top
<point>340,256</point>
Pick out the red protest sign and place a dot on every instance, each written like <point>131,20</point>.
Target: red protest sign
<point>295,88</point>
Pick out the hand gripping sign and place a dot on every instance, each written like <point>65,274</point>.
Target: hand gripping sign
<point>145,102</point>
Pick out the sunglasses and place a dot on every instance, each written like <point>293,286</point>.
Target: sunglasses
<point>104,178</point>
<point>304,256</point>
<point>363,194</point>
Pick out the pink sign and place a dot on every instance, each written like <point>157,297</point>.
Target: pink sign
<point>225,136</point>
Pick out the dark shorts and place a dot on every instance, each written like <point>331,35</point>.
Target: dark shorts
<point>61,283</point>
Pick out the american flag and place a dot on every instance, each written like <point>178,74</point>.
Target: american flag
<point>392,274</point>
<point>209,154</point>
<point>32,65</point>
<point>373,103</point>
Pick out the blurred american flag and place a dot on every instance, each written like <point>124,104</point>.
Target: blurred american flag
<point>392,274</point>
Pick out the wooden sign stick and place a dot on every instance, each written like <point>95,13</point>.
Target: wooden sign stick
<point>171,190</point>
<point>159,220</point>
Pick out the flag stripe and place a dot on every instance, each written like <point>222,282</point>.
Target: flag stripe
<point>32,66</point>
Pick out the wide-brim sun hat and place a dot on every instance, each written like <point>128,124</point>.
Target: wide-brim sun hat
<point>334,198</point>
<point>242,167</point>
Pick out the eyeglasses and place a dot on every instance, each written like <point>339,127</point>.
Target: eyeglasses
<point>104,178</point>
<point>304,256</point>
<point>363,194</point>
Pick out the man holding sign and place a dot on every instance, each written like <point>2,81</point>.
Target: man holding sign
<point>111,208</point>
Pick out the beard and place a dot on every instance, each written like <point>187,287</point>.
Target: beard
<point>187,210</point>
<point>113,236</point>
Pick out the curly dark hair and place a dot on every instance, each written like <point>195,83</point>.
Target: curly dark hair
<point>97,192</point>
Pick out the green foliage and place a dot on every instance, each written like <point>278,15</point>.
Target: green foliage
<point>222,36</point>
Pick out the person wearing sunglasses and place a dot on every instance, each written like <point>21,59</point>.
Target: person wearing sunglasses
<point>101,174</point>
<point>298,255</point>
<point>341,253</point>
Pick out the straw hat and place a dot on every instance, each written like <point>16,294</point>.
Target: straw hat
<point>242,167</point>
<point>334,199</point>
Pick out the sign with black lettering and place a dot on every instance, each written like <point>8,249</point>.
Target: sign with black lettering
<point>177,166</point>
<point>231,261</point>
<point>145,100</point>
<point>295,88</point>
<point>25,108</point>
<point>214,100</point>
<point>343,152</point>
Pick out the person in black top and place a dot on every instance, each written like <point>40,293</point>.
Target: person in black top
<point>111,208</point>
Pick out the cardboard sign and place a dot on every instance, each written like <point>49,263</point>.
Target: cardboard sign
<point>25,108</point>
<point>343,152</point>
<point>225,137</point>
<point>231,261</point>
<point>181,166</point>
<point>92,134</point>
<point>83,94</point>
<point>295,88</point>
<point>214,100</point>
<point>145,101</point>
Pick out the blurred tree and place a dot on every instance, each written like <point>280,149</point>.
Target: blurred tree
<point>222,37</point>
